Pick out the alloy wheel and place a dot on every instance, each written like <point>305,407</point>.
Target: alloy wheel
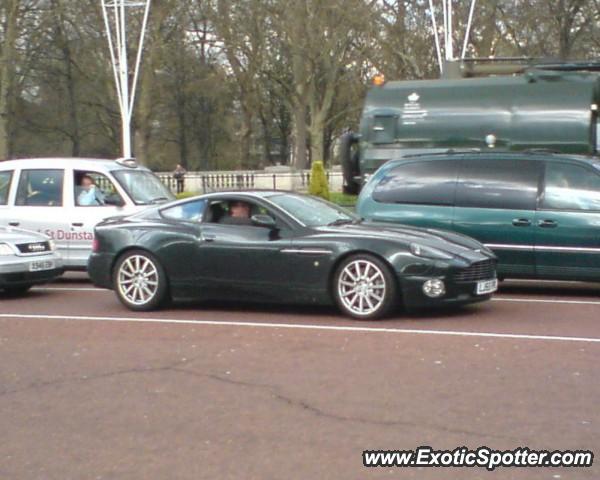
<point>138,280</point>
<point>362,287</point>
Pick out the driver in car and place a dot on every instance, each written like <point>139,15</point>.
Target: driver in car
<point>239,214</point>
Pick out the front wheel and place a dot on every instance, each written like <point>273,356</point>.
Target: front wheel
<point>364,288</point>
<point>140,281</point>
<point>16,291</point>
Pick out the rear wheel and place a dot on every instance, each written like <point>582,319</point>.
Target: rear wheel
<point>140,281</point>
<point>364,287</point>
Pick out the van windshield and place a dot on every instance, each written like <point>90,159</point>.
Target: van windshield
<point>143,187</point>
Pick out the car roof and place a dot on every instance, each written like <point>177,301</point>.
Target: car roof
<point>539,155</point>
<point>64,162</point>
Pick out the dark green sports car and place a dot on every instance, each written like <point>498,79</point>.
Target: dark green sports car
<point>271,246</point>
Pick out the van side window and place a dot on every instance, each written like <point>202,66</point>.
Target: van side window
<point>94,189</point>
<point>426,183</point>
<point>501,183</point>
<point>41,188</point>
<point>5,178</point>
<point>570,187</point>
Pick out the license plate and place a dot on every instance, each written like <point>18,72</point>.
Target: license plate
<point>487,286</point>
<point>41,265</point>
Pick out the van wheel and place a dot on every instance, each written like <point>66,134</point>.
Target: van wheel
<point>364,288</point>
<point>140,281</point>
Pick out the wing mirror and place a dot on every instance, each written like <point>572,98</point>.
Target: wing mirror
<point>265,221</point>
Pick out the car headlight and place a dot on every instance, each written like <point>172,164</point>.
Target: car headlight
<point>51,245</point>
<point>429,252</point>
<point>5,249</point>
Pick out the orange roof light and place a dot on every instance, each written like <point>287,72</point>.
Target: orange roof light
<point>378,80</point>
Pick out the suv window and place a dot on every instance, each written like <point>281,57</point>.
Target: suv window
<point>510,184</point>
<point>430,182</point>
<point>5,178</point>
<point>40,188</point>
<point>190,211</point>
<point>570,187</point>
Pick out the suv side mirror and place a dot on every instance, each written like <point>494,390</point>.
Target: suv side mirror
<point>265,221</point>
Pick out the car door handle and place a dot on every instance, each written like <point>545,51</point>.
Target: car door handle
<point>547,224</point>
<point>77,224</point>
<point>521,222</point>
<point>209,237</point>
<point>14,224</point>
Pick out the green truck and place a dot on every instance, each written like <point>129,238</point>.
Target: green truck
<point>517,106</point>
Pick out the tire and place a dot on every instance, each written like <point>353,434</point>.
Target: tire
<point>140,281</point>
<point>376,297</point>
<point>350,164</point>
<point>17,290</point>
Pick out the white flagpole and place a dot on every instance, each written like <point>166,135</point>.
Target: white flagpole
<point>118,48</point>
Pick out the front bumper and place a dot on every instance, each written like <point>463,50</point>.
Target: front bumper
<point>456,293</point>
<point>15,271</point>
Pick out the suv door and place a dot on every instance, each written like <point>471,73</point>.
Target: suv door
<point>38,205</point>
<point>419,193</point>
<point>568,222</point>
<point>495,204</point>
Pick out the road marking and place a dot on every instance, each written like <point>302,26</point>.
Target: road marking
<point>496,299</point>
<point>542,300</point>
<point>68,289</point>
<point>304,327</point>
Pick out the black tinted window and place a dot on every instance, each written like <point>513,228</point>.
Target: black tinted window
<point>40,188</point>
<point>425,182</point>
<point>571,187</point>
<point>503,183</point>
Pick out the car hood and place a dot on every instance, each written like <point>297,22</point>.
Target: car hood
<point>18,235</point>
<point>449,242</point>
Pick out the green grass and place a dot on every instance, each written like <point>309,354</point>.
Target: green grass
<point>343,199</point>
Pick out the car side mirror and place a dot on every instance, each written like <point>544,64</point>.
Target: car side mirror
<point>265,221</point>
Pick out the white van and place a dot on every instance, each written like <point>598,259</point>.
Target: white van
<point>65,198</point>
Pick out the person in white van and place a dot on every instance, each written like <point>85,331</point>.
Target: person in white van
<point>90,194</point>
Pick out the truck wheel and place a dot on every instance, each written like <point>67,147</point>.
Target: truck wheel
<point>350,163</point>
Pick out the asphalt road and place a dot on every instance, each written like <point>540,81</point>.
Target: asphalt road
<point>90,390</point>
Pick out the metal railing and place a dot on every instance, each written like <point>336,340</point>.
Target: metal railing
<point>203,182</point>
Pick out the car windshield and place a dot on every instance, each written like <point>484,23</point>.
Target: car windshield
<point>312,211</point>
<point>143,187</point>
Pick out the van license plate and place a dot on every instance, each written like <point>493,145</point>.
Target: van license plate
<point>41,265</point>
<point>487,286</point>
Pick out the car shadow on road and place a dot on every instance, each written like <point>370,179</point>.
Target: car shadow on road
<point>283,311</point>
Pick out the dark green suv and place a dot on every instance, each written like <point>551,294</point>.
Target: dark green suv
<point>539,212</point>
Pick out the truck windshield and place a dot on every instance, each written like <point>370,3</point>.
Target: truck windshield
<point>143,187</point>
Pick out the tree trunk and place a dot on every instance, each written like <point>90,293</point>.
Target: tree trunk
<point>300,160</point>
<point>245,137</point>
<point>7,74</point>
